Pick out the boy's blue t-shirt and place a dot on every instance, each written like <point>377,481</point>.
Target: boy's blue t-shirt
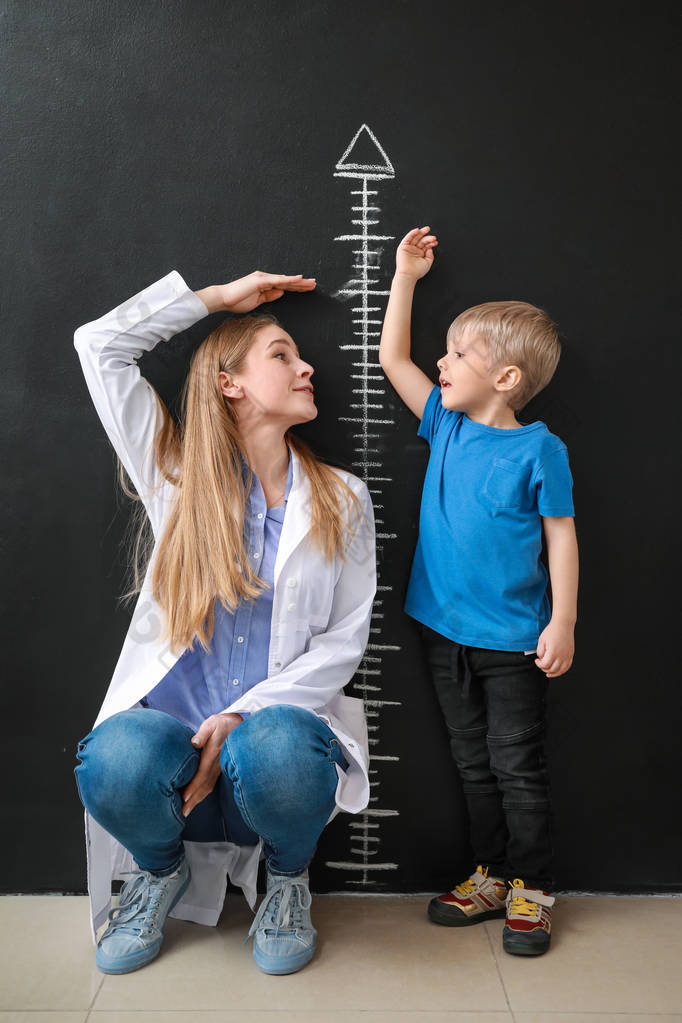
<point>476,576</point>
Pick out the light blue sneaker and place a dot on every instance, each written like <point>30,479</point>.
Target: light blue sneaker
<point>135,932</point>
<point>284,936</point>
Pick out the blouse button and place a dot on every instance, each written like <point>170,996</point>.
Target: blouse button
<point>260,515</point>
<point>240,639</point>
<point>278,664</point>
<point>235,681</point>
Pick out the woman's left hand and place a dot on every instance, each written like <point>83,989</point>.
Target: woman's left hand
<point>210,737</point>
<point>244,294</point>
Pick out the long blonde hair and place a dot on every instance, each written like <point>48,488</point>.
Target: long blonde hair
<point>201,555</point>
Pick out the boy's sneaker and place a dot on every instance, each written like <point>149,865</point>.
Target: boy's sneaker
<point>477,899</point>
<point>528,925</point>
<point>284,936</point>
<point>135,932</point>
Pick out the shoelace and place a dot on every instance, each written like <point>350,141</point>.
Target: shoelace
<point>519,903</point>
<point>522,906</point>
<point>294,897</point>
<point>467,887</point>
<point>143,893</point>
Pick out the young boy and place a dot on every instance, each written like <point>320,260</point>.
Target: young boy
<point>479,590</point>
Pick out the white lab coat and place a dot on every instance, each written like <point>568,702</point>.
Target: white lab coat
<point>320,616</point>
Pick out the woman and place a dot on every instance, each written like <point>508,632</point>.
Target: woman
<point>224,735</point>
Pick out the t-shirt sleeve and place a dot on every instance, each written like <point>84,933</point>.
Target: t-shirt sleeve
<point>432,416</point>
<point>554,484</point>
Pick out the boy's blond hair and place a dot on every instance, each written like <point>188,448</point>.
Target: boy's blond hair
<point>514,333</point>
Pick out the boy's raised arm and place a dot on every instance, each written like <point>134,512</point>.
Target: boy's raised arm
<point>413,259</point>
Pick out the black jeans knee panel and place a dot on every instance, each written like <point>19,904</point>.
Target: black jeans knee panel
<point>514,737</point>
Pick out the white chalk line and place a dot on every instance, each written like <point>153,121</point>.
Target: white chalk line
<point>363,286</point>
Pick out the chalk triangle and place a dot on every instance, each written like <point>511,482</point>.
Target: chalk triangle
<point>365,154</point>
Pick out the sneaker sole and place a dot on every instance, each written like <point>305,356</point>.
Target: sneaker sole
<point>288,964</point>
<point>516,945</point>
<point>139,959</point>
<point>440,915</point>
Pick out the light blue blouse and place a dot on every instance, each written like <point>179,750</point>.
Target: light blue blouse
<point>200,684</point>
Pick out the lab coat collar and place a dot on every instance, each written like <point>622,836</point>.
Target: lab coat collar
<point>296,523</point>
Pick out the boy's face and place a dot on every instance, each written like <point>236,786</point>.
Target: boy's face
<point>465,380</point>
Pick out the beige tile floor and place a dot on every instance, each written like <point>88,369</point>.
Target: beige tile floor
<point>379,960</point>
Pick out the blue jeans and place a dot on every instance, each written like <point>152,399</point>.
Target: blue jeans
<point>277,782</point>
<point>493,702</point>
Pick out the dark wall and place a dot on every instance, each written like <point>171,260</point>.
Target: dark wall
<point>540,143</point>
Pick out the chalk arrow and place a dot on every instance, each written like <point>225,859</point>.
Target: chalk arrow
<point>364,158</point>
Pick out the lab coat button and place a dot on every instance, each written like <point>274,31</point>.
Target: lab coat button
<point>291,582</point>
<point>292,607</point>
<point>278,664</point>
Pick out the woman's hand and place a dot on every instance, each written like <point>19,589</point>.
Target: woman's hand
<point>414,257</point>
<point>246,293</point>
<point>210,737</point>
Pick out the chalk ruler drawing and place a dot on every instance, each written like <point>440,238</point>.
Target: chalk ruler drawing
<point>367,413</point>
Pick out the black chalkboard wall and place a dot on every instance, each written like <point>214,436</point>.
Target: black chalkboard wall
<point>538,141</point>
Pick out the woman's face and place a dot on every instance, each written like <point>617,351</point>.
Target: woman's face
<point>274,382</point>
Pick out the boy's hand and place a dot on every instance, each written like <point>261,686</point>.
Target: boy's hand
<point>555,649</point>
<point>414,257</point>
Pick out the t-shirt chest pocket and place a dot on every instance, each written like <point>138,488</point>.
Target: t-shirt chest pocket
<point>506,483</point>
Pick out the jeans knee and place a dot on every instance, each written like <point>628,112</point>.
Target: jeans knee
<point>518,761</point>
<point>470,753</point>
<point>281,716</point>
<point>280,755</point>
<point>130,750</point>
<point>277,732</point>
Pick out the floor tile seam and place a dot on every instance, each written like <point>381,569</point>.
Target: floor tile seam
<point>302,1013</point>
<point>499,972</point>
<point>517,1016</point>
<point>94,999</point>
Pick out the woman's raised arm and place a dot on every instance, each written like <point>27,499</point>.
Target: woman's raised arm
<point>108,349</point>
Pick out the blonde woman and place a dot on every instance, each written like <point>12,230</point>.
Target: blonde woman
<point>224,735</point>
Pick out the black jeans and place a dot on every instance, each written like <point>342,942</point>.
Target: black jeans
<point>494,705</point>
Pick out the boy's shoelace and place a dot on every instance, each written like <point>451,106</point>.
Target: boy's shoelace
<point>522,906</point>
<point>519,903</point>
<point>468,886</point>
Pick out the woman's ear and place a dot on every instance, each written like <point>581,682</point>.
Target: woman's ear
<point>228,386</point>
